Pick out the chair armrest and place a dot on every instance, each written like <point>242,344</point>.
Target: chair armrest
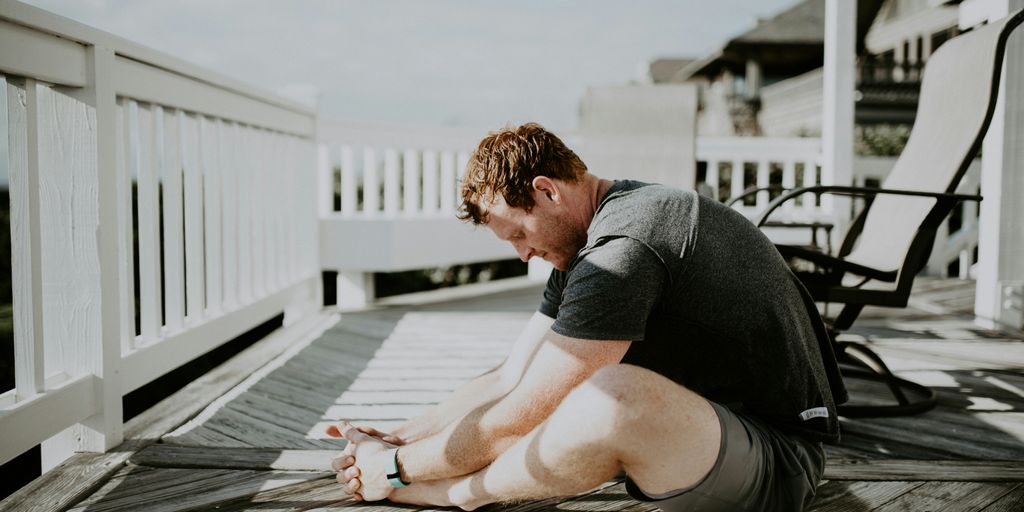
<point>751,191</point>
<point>858,192</point>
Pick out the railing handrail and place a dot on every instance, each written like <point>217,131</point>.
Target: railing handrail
<point>38,19</point>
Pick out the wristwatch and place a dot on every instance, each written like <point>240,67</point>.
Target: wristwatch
<point>393,475</point>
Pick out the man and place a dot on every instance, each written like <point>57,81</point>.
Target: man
<point>672,343</point>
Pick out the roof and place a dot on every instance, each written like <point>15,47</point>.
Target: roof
<point>662,70</point>
<point>788,44</point>
<point>802,23</point>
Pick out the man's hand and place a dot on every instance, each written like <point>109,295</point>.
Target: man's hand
<point>362,467</point>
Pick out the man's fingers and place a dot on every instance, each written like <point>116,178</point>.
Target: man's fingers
<point>342,461</point>
<point>354,485</point>
<point>345,430</point>
<point>353,472</point>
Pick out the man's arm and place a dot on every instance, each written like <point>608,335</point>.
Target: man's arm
<point>483,389</point>
<point>478,437</point>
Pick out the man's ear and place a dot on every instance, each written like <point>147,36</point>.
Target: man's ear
<point>546,187</point>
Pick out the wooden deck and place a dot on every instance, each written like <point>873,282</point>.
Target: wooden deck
<point>249,435</point>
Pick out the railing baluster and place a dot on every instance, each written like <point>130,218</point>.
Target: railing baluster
<point>711,177</point>
<point>371,186</point>
<point>788,180</point>
<point>810,180</point>
<point>257,212</point>
<point>195,289</point>
<point>349,188</point>
<point>126,239</point>
<point>762,181</point>
<point>430,177</point>
<point>228,166</point>
<point>411,181</point>
<point>272,170</point>
<point>392,185</point>
<point>447,197</point>
<point>460,171</point>
<point>144,160</point>
<point>736,182</point>
<point>209,147</point>
<point>168,152</point>
<point>244,173</point>
<point>21,110</point>
<point>325,181</point>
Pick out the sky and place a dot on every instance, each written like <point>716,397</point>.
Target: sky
<point>474,64</point>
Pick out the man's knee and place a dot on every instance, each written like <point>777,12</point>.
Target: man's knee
<point>613,394</point>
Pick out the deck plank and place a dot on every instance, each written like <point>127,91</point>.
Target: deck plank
<point>837,496</point>
<point>949,497</point>
<point>925,470</point>
<point>174,489</point>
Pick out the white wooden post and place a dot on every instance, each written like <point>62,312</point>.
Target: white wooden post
<point>244,175</point>
<point>736,181</point>
<point>195,289</point>
<point>447,197</point>
<point>210,146</point>
<point>711,177</point>
<point>325,181</point>
<point>762,181</point>
<point>168,151</point>
<point>355,289</point>
<point>430,199</point>
<point>411,182</point>
<point>1000,287</point>
<point>20,109</point>
<point>371,186</point>
<point>348,182</point>
<point>837,121</point>
<point>229,186</point>
<point>788,180</point>
<point>456,187</point>
<point>392,194</point>
<point>95,349</point>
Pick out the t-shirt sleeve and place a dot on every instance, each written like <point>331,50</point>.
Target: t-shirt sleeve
<point>553,294</point>
<point>609,292</point>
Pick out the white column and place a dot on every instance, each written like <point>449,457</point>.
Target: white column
<point>1000,239</point>
<point>837,121</point>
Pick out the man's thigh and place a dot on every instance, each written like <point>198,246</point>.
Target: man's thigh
<point>757,468</point>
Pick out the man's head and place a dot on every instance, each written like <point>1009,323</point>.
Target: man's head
<point>523,184</point>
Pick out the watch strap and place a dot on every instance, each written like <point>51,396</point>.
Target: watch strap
<point>393,475</point>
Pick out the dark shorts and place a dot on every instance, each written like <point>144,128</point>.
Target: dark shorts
<point>759,468</point>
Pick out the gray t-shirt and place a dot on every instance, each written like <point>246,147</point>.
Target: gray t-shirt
<point>708,302</point>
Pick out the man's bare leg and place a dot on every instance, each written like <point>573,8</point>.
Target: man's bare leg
<point>624,417</point>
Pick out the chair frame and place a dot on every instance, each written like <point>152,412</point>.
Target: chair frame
<point>860,361</point>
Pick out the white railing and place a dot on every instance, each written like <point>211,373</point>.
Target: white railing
<point>735,164</point>
<point>399,203</point>
<point>128,166</point>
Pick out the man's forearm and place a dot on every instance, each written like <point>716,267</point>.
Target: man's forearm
<point>485,388</point>
<point>472,395</point>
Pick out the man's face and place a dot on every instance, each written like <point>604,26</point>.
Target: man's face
<point>547,231</point>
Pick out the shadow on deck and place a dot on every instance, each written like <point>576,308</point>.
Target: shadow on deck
<point>259,445</point>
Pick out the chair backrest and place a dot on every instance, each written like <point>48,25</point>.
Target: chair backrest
<point>955,107</point>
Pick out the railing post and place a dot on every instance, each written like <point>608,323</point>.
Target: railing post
<point>999,298</point>
<point>101,355</point>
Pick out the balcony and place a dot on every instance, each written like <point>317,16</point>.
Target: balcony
<point>160,211</point>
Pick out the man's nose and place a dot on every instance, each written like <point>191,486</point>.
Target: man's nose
<point>525,252</point>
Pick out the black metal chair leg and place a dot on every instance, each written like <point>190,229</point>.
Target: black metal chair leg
<point>874,369</point>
